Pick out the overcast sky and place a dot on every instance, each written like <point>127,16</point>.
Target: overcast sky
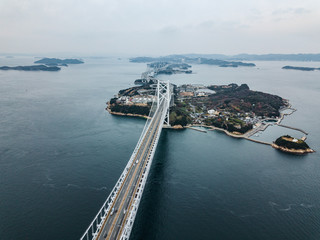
<point>150,27</point>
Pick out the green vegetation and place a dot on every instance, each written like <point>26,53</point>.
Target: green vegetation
<point>179,115</point>
<point>132,109</point>
<point>291,143</point>
<point>240,99</point>
<point>133,90</point>
<point>231,125</point>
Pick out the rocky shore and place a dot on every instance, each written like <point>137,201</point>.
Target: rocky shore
<point>294,151</point>
<point>126,114</point>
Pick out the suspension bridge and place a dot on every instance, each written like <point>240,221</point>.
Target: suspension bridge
<point>116,216</point>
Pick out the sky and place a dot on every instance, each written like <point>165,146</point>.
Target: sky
<point>159,27</point>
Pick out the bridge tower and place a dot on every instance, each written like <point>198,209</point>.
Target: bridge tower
<point>164,94</point>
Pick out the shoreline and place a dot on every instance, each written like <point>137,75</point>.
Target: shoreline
<point>126,114</point>
<point>293,151</point>
<point>246,136</point>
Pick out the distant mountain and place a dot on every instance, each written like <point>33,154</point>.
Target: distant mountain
<point>278,57</point>
<point>238,57</point>
<point>192,59</point>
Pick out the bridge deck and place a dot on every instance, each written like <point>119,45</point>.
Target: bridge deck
<point>114,222</point>
<point>115,218</point>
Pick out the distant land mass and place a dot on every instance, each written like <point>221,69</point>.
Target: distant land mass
<point>199,60</point>
<point>57,61</point>
<point>32,68</point>
<point>239,57</point>
<point>223,63</point>
<point>301,68</point>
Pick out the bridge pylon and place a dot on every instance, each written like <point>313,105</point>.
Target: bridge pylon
<point>164,94</point>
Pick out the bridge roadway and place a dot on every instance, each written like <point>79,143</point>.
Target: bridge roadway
<point>116,219</point>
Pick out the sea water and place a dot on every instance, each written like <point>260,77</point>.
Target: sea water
<point>61,154</point>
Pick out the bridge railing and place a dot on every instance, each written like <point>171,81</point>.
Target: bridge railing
<point>95,226</point>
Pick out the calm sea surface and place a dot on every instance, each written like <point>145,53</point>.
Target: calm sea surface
<point>61,153</point>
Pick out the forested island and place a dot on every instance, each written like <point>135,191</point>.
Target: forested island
<point>58,62</point>
<point>292,145</point>
<point>32,68</point>
<point>300,68</point>
<point>223,63</point>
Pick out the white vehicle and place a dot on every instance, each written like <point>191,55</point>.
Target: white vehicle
<point>112,211</point>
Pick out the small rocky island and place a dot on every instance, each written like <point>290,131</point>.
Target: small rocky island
<point>32,68</point>
<point>301,68</point>
<point>292,145</point>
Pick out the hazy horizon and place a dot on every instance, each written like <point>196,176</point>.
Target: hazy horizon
<point>140,27</point>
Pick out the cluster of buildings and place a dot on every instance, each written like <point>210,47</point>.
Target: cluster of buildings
<point>138,99</point>
<point>194,90</point>
<point>248,118</point>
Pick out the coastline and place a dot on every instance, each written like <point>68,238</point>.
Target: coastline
<point>294,151</point>
<point>261,126</point>
<point>126,114</point>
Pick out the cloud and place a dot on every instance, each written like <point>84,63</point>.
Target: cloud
<point>290,11</point>
<point>137,26</point>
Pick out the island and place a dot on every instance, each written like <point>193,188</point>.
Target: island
<point>194,60</point>
<point>166,68</point>
<point>292,145</point>
<point>233,109</point>
<point>32,68</point>
<point>173,68</point>
<point>238,57</point>
<point>58,62</point>
<point>223,63</point>
<point>300,68</point>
